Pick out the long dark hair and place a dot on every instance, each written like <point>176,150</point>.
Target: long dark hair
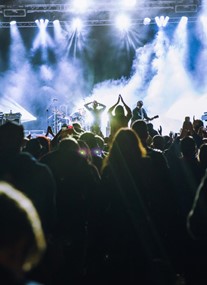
<point>126,147</point>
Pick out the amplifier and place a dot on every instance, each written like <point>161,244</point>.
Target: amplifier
<point>14,117</point>
<point>1,118</point>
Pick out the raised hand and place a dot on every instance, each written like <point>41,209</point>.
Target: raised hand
<point>119,99</point>
<point>160,130</point>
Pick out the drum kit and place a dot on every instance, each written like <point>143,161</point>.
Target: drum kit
<point>59,118</point>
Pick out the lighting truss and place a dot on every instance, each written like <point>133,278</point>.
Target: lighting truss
<point>101,14</point>
<point>93,23</point>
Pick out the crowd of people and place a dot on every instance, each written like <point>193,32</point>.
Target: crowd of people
<point>80,208</point>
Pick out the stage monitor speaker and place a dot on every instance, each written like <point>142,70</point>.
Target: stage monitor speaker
<point>13,117</point>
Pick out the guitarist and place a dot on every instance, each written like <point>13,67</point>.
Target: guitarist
<point>139,113</point>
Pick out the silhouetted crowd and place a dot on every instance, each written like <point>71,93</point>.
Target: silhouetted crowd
<point>80,208</point>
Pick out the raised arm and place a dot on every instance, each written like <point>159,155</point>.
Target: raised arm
<point>49,131</point>
<point>113,107</point>
<point>129,112</point>
<point>87,106</point>
<point>103,107</point>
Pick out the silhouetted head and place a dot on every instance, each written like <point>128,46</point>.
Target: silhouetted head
<point>188,146</point>
<point>119,111</point>
<point>126,149</point>
<point>89,138</point>
<point>12,136</point>
<point>140,127</point>
<point>158,142</point>
<point>203,155</point>
<point>150,126</point>
<point>95,104</point>
<point>22,240</point>
<point>77,127</point>
<point>34,147</point>
<point>45,143</point>
<point>126,139</point>
<point>68,145</point>
<point>197,124</point>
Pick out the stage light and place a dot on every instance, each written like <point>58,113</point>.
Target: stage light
<point>58,32</point>
<point>81,5</point>
<point>13,23</point>
<point>8,103</point>
<point>46,22</point>
<point>184,20</point>
<point>123,22</point>
<point>56,22</point>
<point>129,3</point>
<point>146,21</point>
<point>161,21</point>
<point>180,38</point>
<point>42,23</point>
<point>203,20</point>
<point>42,38</point>
<point>203,28</point>
<point>77,25</point>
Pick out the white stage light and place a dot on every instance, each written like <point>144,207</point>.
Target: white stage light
<point>77,24</point>
<point>13,23</point>
<point>56,22</point>
<point>58,32</point>
<point>129,3</point>
<point>42,39</point>
<point>203,19</point>
<point>46,22</point>
<point>123,22</point>
<point>42,23</point>
<point>146,21</point>
<point>81,5</point>
<point>184,20</point>
<point>161,21</point>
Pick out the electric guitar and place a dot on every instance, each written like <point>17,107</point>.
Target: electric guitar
<point>150,119</point>
<point>155,117</point>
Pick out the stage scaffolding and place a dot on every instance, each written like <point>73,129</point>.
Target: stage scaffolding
<point>99,14</point>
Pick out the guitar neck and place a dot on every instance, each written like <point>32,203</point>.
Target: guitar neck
<point>155,117</point>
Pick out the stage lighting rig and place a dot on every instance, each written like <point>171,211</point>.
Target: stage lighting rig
<point>14,13</point>
<point>100,13</point>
